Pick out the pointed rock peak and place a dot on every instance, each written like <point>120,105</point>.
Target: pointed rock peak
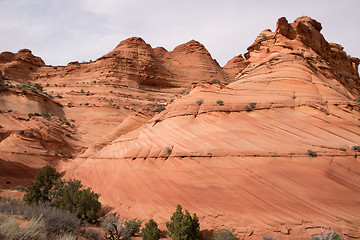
<point>191,47</point>
<point>282,26</point>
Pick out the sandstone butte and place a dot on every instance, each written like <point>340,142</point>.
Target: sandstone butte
<point>235,152</point>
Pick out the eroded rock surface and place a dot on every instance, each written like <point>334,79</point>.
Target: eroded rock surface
<point>267,149</point>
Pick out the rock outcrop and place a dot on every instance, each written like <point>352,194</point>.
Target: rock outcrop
<point>266,149</point>
<point>269,154</point>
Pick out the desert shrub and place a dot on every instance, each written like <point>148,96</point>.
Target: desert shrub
<point>268,238</point>
<point>114,228</point>
<point>248,108</point>
<point>220,102</point>
<point>34,229</point>
<point>356,148</point>
<point>108,222</point>
<point>18,188</point>
<point>45,115</point>
<point>65,195</point>
<point>184,92</point>
<point>326,236</point>
<point>69,195</point>
<point>215,81</point>
<point>312,153</point>
<point>56,220</point>
<point>151,231</point>
<point>252,105</point>
<point>264,37</point>
<point>160,109</point>
<point>294,96</point>
<point>199,102</point>
<point>133,226</point>
<point>91,233</point>
<point>343,149</point>
<point>44,181</point>
<point>67,236</point>
<point>168,150</point>
<point>182,226</point>
<point>38,86</point>
<point>224,234</point>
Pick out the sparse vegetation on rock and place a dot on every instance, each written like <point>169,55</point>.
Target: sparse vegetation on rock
<point>312,153</point>
<point>224,234</point>
<point>215,80</point>
<point>160,109</point>
<point>199,102</point>
<point>220,102</point>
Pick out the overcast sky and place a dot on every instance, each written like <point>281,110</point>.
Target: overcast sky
<point>61,31</point>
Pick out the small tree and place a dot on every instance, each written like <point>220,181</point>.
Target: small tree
<point>183,226</point>
<point>68,195</point>
<point>44,181</point>
<point>151,231</point>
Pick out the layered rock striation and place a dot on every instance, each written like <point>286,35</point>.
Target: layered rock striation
<point>266,149</point>
<point>270,153</point>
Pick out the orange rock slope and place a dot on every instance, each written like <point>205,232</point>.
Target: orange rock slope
<point>238,155</point>
<point>271,152</point>
<point>82,107</point>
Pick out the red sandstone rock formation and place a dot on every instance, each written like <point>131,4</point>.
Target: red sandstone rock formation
<point>235,154</point>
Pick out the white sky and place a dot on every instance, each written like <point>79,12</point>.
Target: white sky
<point>61,31</point>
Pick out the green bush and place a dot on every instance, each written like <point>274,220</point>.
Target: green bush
<point>252,105</point>
<point>160,109</point>
<point>215,81</point>
<point>133,226</point>
<point>168,150</point>
<point>184,92</point>
<point>183,226</point>
<point>326,236</point>
<point>65,195</point>
<point>312,153</point>
<point>220,102</point>
<point>248,108</point>
<point>356,148</point>
<point>44,181</point>
<point>224,234</point>
<point>68,195</point>
<point>199,102</point>
<point>151,231</point>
